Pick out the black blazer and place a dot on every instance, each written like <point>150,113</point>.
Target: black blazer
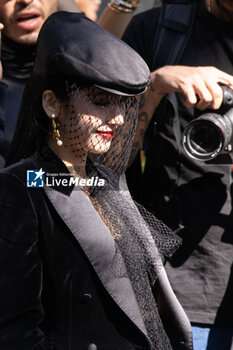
<point>58,289</point>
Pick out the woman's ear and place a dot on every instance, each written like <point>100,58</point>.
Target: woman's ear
<point>50,103</point>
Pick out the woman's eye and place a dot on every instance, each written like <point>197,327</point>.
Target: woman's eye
<point>101,103</point>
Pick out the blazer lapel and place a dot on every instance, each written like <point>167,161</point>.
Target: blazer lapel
<point>93,236</point>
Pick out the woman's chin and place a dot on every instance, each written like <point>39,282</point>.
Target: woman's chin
<point>100,149</point>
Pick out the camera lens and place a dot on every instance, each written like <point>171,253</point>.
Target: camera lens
<point>207,136</point>
<point>204,137</point>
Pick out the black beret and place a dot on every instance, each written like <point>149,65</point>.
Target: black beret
<point>73,47</point>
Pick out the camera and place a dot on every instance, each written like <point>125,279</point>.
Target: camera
<point>211,134</point>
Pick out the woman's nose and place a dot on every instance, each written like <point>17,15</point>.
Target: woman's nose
<point>117,120</point>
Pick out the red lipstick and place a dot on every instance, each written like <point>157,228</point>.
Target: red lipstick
<point>107,135</point>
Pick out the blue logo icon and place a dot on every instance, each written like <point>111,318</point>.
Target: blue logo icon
<point>35,178</point>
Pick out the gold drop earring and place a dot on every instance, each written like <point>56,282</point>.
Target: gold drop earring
<point>56,133</point>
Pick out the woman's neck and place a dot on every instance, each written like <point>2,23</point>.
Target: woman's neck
<point>76,169</point>
<point>76,164</point>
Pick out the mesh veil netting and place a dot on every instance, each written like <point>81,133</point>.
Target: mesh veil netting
<point>100,136</point>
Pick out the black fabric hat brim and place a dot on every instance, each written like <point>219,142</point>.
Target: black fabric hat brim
<point>116,92</point>
<point>72,47</point>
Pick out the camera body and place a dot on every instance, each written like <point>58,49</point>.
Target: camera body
<point>211,134</point>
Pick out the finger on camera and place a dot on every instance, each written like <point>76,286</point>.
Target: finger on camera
<point>217,93</point>
<point>225,78</point>
<point>202,106</point>
<point>189,96</point>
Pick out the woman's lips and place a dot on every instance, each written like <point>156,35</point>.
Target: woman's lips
<point>107,135</point>
<point>29,21</point>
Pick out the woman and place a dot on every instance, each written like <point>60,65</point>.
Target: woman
<point>80,267</point>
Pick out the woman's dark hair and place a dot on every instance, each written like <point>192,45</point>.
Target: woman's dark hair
<point>34,126</point>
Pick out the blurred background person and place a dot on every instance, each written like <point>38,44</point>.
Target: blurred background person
<point>22,20</point>
<point>193,197</point>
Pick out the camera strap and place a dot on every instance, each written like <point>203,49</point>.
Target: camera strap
<point>175,26</point>
<point>174,29</point>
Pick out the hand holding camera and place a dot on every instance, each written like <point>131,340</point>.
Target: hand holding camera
<point>210,134</point>
<point>199,85</point>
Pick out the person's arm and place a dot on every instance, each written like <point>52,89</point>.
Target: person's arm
<point>199,86</point>
<point>116,17</point>
<point>21,311</point>
<point>114,22</point>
